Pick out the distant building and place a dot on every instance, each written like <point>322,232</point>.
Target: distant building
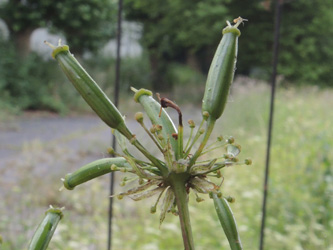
<point>130,46</point>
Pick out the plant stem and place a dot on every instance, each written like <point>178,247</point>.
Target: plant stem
<point>177,182</point>
<point>208,131</point>
<point>154,160</point>
<point>196,137</point>
<point>180,141</point>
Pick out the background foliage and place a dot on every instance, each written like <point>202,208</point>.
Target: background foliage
<point>179,38</point>
<point>307,42</point>
<point>86,24</point>
<point>188,32</point>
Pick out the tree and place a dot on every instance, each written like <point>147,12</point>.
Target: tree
<point>86,24</point>
<point>306,39</point>
<point>255,49</point>
<point>188,31</point>
<point>176,30</point>
<point>307,42</point>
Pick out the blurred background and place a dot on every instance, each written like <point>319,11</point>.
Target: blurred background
<point>46,130</point>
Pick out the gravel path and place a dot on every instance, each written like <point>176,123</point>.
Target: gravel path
<point>47,142</point>
<point>48,146</point>
<point>35,152</point>
<point>15,135</point>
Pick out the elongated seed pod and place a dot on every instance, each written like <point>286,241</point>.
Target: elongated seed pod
<point>93,170</point>
<point>45,230</point>
<point>152,108</point>
<point>228,222</point>
<point>221,73</point>
<point>96,98</point>
<point>122,142</point>
<point>89,90</point>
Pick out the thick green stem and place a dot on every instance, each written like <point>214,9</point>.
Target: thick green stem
<point>177,182</point>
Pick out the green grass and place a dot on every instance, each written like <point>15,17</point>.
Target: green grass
<point>300,189</point>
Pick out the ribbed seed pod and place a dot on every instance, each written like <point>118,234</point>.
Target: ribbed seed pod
<point>95,97</point>
<point>228,222</point>
<point>89,90</point>
<point>221,73</point>
<point>152,108</point>
<point>45,230</point>
<point>93,170</point>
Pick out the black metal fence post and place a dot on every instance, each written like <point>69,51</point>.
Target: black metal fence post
<point>277,21</point>
<point>116,102</point>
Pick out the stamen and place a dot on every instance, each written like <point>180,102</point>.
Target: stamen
<point>50,45</point>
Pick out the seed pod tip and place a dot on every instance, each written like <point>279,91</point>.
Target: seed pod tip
<point>141,92</point>
<point>153,209</point>
<point>248,161</point>
<point>139,117</point>
<point>205,115</point>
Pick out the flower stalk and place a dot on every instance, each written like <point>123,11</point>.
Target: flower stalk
<point>178,183</point>
<point>208,132</point>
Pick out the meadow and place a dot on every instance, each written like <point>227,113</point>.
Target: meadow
<point>300,200</point>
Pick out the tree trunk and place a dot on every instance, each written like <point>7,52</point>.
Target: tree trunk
<point>22,42</point>
<point>192,61</point>
<point>159,74</point>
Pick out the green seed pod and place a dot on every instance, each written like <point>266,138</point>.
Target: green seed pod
<point>139,117</point>
<point>161,137</point>
<point>163,123</point>
<point>158,127</point>
<point>110,151</point>
<point>221,73</point>
<point>93,170</point>
<point>153,209</point>
<point>89,90</point>
<point>231,199</point>
<point>205,115</point>
<point>231,140</point>
<point>199,199</point>
<point>248,161</point>
<point>191,123</point>
<point>153,129</point>
<point>45,230</point>
<point>228,222</point>
<point>114,167</point>
<point>141,181</point>
<point>122,142</point>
